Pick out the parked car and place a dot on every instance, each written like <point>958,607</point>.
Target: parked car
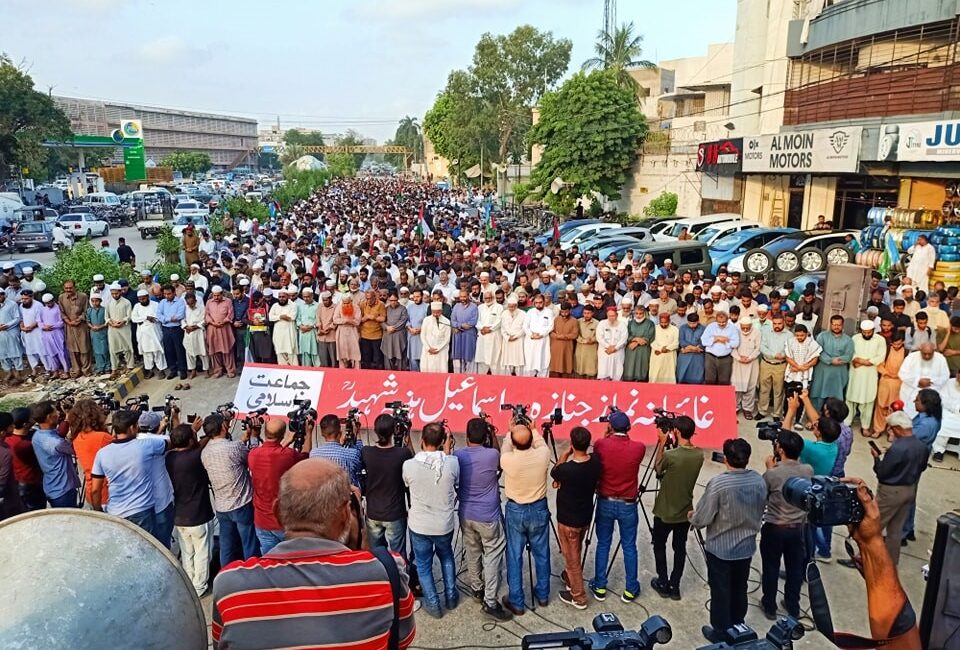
<point>661,226</point>
<point>605,237</point>
<point>102,199</point>
<point>690,256</point>
<point>737,243</point>
<point>19,264</point>
<point>799,252</point>
<point>192,209</point>
<point>695,224</point>
<point>34,213</point>
<point>34,234</point>
<point>547,236</point>
<point>84,224</point>
<point>582,233</point>
<point>715,231</point>
<point>180,224</point>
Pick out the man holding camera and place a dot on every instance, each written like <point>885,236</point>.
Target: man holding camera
<point>386,510</point>
<point>336,448</point>
<point>783,533</point>
<point>678,470</point>
<point>617,496</point>
<point>268,463</point>
<point>730,509</point>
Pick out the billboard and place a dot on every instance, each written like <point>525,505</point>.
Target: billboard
<point>722,157</point>
<point>806,152</point>
<point>920,142</point>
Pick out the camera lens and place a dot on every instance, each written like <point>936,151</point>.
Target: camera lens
<point>795,491</point>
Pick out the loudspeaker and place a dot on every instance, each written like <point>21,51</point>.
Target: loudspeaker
<point>940,617</point>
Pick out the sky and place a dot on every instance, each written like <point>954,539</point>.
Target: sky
<point>322,64</point>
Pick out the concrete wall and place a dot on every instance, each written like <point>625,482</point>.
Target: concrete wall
<point>655,174</point>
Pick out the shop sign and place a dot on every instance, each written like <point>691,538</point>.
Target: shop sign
<point>819,151</point>
<point>920,141</point>
<point>723,157</point>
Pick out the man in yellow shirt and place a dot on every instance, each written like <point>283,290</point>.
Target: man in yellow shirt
<point>373,313</point>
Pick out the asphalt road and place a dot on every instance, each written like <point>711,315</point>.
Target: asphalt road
<point>145,249</point>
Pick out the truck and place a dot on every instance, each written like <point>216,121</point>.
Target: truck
<point>152,209</point>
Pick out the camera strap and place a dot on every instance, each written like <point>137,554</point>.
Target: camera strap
<point>382,553</point>
<point>820,610</point>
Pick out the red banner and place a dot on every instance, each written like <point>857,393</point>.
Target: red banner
<point>457,398</point>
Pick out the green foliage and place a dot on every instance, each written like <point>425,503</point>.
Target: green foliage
<point>292,153</point>
<point>27,118</point>
<point>269,160</point>
<point>620,52</point>
<point>342,165</point>
<point>521,191</point>
<point>596,209</point>
<point>239,206</point>
<point>300,185</point>
<point>351,138</point>
<point>407,135</point>
<point>313,138</point>
<point>591,129</point>
<point>168,245</point>
<point>165,269</point>
<point>188,162</point>
<point>215,224</point>
<point>664,205</point>
<point>80,263</point>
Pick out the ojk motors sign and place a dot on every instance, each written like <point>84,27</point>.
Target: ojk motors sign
<point>819,151</point>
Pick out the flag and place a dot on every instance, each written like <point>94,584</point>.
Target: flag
<point>422,229</point>
<point>891,256</point>
<point>556,229</point>
<point>488,220</point>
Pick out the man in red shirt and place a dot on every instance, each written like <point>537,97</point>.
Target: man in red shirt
<point>268,463</point>
<point>617,495</point>
<point>26,469</point>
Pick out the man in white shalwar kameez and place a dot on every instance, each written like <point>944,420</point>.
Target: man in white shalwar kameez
<point>149,336</point>
<point>285,335</point>
<point>511,331</point>
<point>869,351</point>
<point>193,340</point>
<point>435,334</point>
<point>537,325</point>
<point>30,330</point>
<point>925,368</point>
<point>950,424</point>
<point>922,261</point>
<point>488,339</point>
<point>611,340</point>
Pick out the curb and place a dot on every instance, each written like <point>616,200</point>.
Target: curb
<point>125,386</point>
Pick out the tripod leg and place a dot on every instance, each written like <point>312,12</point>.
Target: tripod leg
<point>613,556</point>
<point>590,529</point>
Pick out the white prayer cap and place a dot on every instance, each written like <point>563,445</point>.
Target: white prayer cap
<point>28,270</point>
<point>292,290</point>
<point>40,286</point>
<point>484,274</point>
<point>899,419</point>
<point>668,261</point>
<point>436,306</point>
<point>716,289</point>
<point>115,286</point>
<point>762,307</point>
<point>258,264</point>
<point>626,301</point>
<point>307,290</point>
<point>570,287</point>
<point>244,282</point>
<point>216,289</point>
<point>267,292</point>
<point>47,297</point>
<point>95,295</point>
<point>146,272</point>
<point>194,266</point>
<point>325,294</point>
<point>142,293</point>
<point>867,325</point>
<point>98,278</point>
<point>512,300</point>
<point>174,277</point>
<point>746,320</point>
<point>8,266</point>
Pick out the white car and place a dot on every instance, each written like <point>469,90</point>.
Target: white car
<point>715,231</point>
<point>84,224</point>
<point>582,233</point>
<point>180,224</point>
<point>192,209</point>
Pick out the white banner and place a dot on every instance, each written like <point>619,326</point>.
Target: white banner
<point>275,388</point>
<point>822,150</point>
<point>920,141</point>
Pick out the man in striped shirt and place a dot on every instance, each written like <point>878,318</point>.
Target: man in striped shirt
<point>316,588</point>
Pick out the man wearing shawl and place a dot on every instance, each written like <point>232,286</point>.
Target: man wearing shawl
<point>307,329</point>
<point>219,333</point>
<point>746,369</point>
<point>463,320</point>
<point>346,318</point>
<point>640,332</point>
<point>511,329</point>
<point>119,335</point>
<point>394,342</point>
<point>690,362</point>
<point>489,340</point>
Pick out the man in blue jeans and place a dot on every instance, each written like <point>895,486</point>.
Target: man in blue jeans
<point>432,477</point>
<point>55,456</point>
<point>617,493</point>
<point>525,459</point>
<point>226,463</point>
<point>386,509</point>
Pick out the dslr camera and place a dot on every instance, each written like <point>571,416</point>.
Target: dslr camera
<point>665,421</point>
<point>608,634</point>
<point>826,500</point>
<point>769,430</point>
<point>298,420</point>
<point>781,636</point>
<point>520,415</point>
<point>351,425</point>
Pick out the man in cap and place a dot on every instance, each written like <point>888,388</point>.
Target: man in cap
<point>373,313</point>
<point>611,335</point>
<point>199,280</point>
<point>512,331</point>
<point>283,314</point>
<point>869,351</point>
<point>30,333</point>
<point>746,369</point>
<point>307,329</point>
<point>463,318</point>
<point>326,330</point>
<point>149,334</point>
<point>489,340</point>
<point>719,340</point>
<point>119,336</point>
<point>537,325</point>
<point>51,325</point>
<point>11,352</point>
<point>97,321</point>
<point>99,286</point>
<point>435,337</point>
<point>219,335</point>
<point>73,307</point>
<point>394,342</point>
<point>29,281</point>
<point>194,343</point>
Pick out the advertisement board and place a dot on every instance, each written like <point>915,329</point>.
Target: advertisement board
<point>920,142</point>
<point>819,151</point>
<point>720,157</point>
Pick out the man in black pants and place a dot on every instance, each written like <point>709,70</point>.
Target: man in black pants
<point>730,509</point>
<point>783,533</point>
<point>678,470</point>
<point>171,311</point>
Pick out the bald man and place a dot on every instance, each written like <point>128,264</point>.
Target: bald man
<point>322,523</point>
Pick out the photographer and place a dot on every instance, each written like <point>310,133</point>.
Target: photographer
<point>432,477</point>
<point>333,448</point>
<point>149,425</point>
<point>730,509</point>
<point>678,470</point>
<point>575,477</point>
<point>386,510</point>
<point>322,524</point>
<point>55,457</point>
<point>783,534</point>
<point>267,464</point>
<point>617,496</point>
<point>481,520</point>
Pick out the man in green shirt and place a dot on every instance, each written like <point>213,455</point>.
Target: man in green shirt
<point>678,470</point>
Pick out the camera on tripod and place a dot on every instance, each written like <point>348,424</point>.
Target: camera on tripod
<point>665,421</point>
<point>826,500</point>
<point>520,415</point>
<point>351,425</point>
<point>140,403</point>
<point>298,420</point>
<point>226,410</point>
<point>401,420</point>
<point>247,423</point>
<point>608,634</point>
<point>491,430</point>
<point>107,401</point>
<point>781,636</point>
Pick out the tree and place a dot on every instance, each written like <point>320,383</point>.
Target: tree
<point>342,165</point>
<point>353,139</point>
<point>291,152</point>
<point>664,205</point>
<point>188,162</point>
<point>407,135</point>
<point>310,138</point>
<point>27,119</point>
<point>620,52</point>
<point>591,129</point>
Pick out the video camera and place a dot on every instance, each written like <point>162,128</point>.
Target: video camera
<point>665,421</point>
<point>247,423</point>
<point>826,500</point>
<point>140,403</point>
<point>226,410</point>
<point>781,636</point>
<point>521,413</point>
<point>491,430</point>
<point>769,430</point>
<point>608,634</point>
<point>351,426</point>
<point>402,424</point>
<point>297,421</point>
<point>107,401</point>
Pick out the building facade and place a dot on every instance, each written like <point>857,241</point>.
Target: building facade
<point>229,141</point>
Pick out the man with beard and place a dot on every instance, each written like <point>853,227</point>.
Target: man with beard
<point>149,334</point>
<point>394,342</point>
<point>373,314</point>
<point>284,315</point>
<point>306,322</point>
<point>241,304</point>
<point>565,331</point>
<point>219,334</point>
<point>117,311</point>
<point>463,320</point>
<point>416,312</point>
<point>435,336</point>
<point>869,351</point>
<point>326,331</point>
<point>489,341</point>
<point>512,330</point>
<point>537,325</point>
<point>73,306</point>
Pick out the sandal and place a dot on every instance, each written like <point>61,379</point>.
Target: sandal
<point>186,387</point>
<point>178,387</point>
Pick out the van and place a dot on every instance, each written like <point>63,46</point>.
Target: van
<point>102,199</point>
<point>695,224</point>
<point>690,256</point>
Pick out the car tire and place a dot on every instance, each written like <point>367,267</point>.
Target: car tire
<point>787,262</point>
<point>758,261</point>
<point>838,254</point>
<point>811,260</point>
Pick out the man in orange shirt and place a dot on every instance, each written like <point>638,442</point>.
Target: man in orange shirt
<point>88,425</point>
<point>372,314</point>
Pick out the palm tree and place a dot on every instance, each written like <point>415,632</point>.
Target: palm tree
<point>620,51</point>
<point>408,135</point>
